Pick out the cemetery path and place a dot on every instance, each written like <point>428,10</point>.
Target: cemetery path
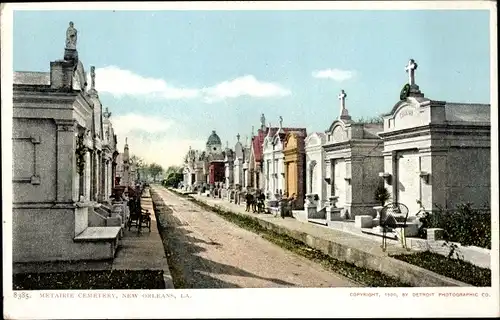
<point>210,252</point>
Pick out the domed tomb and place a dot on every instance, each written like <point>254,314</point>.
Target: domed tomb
<point>214,144</point>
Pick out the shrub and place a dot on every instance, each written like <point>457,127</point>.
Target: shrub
<point>85,280</point>
<point>453,268</point>
<point>465,225</point>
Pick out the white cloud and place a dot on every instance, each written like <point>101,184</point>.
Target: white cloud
<point>153,139</point>
<point>120,82</point>
<point>334,74</point>
<point>135,122</point>
<point>247,85</point>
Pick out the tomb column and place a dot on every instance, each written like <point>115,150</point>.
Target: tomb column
<point>329,177</point>
<point>87,176</point>
<point>433,177</point>
<point>65,148</point>
<point>390,165</point>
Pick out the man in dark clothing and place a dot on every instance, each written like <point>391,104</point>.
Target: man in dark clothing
<point>248,198</point>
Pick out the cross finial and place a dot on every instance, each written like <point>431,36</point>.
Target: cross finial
<point>410,68</point>
<point>342,96</point>
<point>344,114</point>
<point>238,137</point>
<point>107,114</point>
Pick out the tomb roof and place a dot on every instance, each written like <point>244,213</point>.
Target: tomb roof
<point>213,139</point>
<point>32,78</point>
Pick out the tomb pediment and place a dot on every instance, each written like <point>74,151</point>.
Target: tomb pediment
<point>268,146</point>
<point>339,133</point>
<point>406,114</point>
<point>315,139</point>
<point>79,78</point>
<point>291,141</point>
<point>238,150</point>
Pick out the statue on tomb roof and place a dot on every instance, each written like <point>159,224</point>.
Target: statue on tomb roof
<point>71,36</point>
<point>92,77</point>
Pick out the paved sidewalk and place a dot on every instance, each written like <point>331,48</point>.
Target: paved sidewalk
<point>143,250</point>
<point>137,251</point>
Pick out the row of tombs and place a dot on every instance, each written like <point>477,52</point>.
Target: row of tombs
<point>70,184</point>
<point>426,154</point>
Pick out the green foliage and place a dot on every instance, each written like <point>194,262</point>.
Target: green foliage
<point>382,195</point>
<point>372,120</point>
<point>363,276</point>
<point>174,177</point>
<point>405,92</point>
<point>81,151</point>
<point>85,280</point>
<point>465,225</point>
<point>155,169</point>
<point>452,268</point>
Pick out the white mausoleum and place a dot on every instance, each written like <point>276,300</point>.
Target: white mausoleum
<point>436,152</point>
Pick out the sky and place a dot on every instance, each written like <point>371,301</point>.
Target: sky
<point>171,77</point>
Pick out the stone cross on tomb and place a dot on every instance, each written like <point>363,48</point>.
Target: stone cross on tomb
<point>71,36</point>
<point>92,77</point>
<point>342,96</point>
<point>410,68</point>
<point>106,113</point>
<point>344,114</point>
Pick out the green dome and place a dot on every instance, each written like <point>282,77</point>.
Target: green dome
<point>213,139</point>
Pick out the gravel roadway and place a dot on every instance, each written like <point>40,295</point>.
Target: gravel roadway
<point>206,251</point>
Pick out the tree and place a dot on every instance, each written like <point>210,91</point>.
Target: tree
<point>372,120</point>
<point>141,165</point>
<point>155,169</point>
<point>174,176</point>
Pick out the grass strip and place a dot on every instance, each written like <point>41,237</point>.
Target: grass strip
<point>452,268</point>
<point>363,276</point>
<point>85,280</point>
<point>161,211</point>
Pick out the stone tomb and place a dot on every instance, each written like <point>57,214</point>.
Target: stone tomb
<point>315,166</point>
<point>294,158</point>
<point>436,152</point>
<point>62,165</point>
<point>353,159</point>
